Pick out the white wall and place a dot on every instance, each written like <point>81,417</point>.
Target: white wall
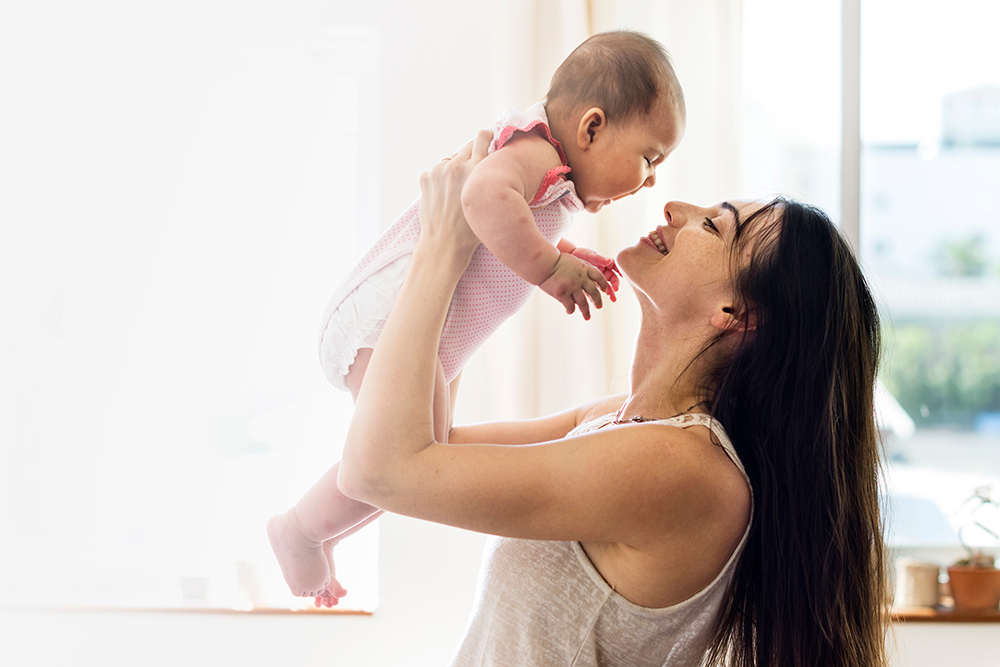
<point>938,644</point>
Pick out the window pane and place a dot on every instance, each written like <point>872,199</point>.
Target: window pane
<point>930,239</point>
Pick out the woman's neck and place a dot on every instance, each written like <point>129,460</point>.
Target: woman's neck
<point>665,379</point>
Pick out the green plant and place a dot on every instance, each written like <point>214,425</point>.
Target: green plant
<point>944,373</point>
<point>962,257</point>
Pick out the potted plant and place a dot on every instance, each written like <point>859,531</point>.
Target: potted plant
<point>975,581</point>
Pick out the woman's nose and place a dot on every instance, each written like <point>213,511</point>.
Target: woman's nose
<point>678,212</point>
<point>673,211</point>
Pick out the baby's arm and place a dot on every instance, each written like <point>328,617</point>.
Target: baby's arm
<point>495,202</point>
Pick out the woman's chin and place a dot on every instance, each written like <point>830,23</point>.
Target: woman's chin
<point>625,259</point>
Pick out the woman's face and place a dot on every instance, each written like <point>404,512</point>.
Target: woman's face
<point>683,267</point>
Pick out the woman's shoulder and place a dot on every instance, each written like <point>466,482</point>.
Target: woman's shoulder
<point>599,408</point>
<point>706,500</point>
<point>690,469</point>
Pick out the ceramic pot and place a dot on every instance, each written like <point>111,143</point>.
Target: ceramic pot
<point>975,587</point>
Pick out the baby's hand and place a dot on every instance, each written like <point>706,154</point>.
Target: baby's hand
<point>606,265</point>
<point>572,281</point>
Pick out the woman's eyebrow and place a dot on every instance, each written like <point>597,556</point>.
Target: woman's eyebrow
<point>732,209</point>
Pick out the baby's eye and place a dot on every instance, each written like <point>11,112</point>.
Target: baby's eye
<point>649,163</point>
<point>711,224</point>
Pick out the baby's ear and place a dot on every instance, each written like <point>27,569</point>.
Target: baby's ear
<point>593,122</point>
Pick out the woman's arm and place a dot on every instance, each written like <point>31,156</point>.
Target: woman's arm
<point>627,484</point>
<point>393,413</point>
<point>532,431</point>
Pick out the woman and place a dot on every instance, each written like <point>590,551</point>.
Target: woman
<point>634,530</point>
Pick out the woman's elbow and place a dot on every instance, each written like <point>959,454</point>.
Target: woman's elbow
<point>372,475</point>
<point>355,482</point>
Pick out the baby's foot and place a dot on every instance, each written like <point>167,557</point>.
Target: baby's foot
<point>334,591</point>
<point>303,562</point>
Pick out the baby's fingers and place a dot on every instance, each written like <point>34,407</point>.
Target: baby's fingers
<point>594,291</point>
<point>599,282</point>
<point>580,298</point>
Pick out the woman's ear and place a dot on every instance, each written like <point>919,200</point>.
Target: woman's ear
<point>728,319</point>
<point>592,124</point>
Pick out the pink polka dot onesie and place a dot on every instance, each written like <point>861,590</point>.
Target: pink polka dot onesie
<point>487,294</point>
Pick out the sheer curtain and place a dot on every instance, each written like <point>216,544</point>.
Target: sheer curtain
<point>543,360</point>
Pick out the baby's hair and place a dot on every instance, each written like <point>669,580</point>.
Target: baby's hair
<point>623,72</point>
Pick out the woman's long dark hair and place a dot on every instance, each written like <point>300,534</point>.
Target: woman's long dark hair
<point>797,401</point>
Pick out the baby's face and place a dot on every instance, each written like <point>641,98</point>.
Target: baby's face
<point>623,160</point>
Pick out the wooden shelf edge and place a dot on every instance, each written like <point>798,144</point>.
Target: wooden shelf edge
<point>941,614</point>
<point>256,611</point>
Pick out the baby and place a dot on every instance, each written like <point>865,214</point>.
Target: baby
<point>613,113</point>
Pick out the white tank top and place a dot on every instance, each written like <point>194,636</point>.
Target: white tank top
<point>544,604</point>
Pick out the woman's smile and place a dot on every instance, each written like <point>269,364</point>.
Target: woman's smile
<point>657,240</point>
<point>651,243</point>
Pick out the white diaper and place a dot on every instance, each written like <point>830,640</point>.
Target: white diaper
<point>358,320</point>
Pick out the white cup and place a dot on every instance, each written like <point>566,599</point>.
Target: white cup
<point>916,583</point>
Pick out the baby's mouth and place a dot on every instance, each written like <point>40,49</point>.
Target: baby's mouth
<point>655,238</point>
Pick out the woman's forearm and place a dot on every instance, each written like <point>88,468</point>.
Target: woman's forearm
<point>393,415</point>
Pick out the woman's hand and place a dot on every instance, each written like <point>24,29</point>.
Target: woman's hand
<point>443,228</point>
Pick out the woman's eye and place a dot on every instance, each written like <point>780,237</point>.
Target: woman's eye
<point>711,224</point>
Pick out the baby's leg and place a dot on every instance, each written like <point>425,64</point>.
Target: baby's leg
<point>442,406</point>
<point>303,537</point>
<point>452,397</point>
<point>356,373</point>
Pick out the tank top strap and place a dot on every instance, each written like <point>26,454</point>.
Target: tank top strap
<point>713,425</point>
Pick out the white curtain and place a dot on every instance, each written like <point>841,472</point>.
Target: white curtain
<point>543,360</point>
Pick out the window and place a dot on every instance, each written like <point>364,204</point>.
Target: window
<point>929,210</point>
<point>930,207</point>
<point>162,386</point>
